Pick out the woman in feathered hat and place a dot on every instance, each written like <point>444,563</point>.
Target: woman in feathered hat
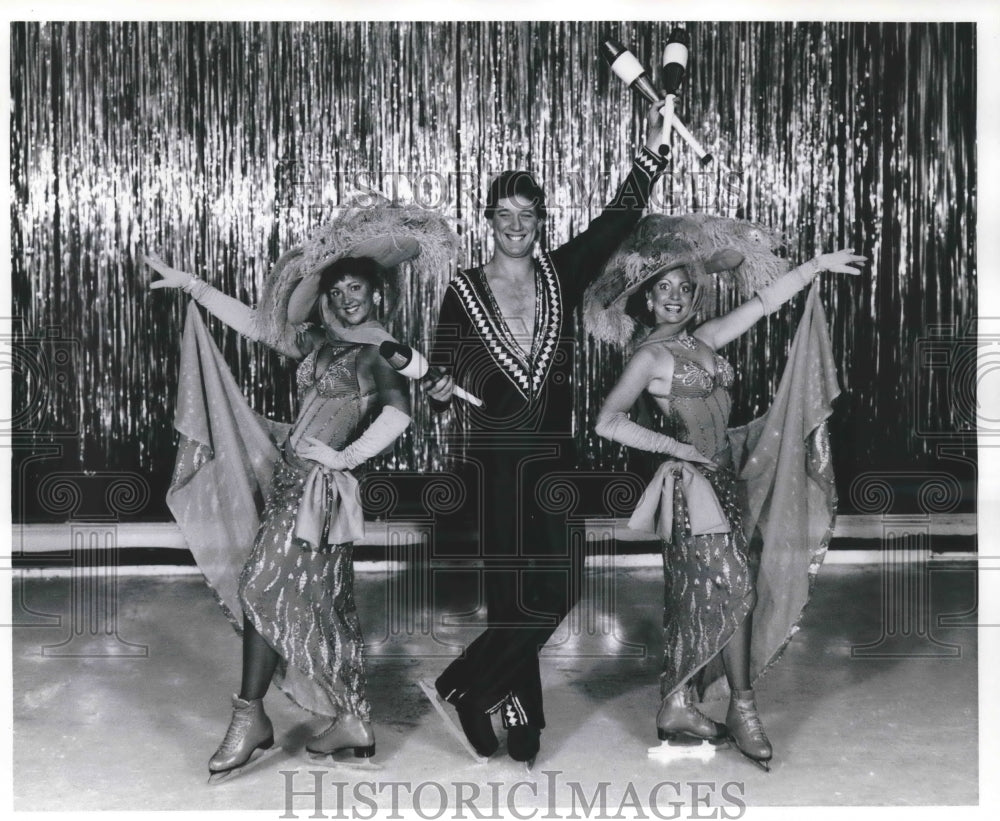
<point>659,276</point>
<point>321,306</point>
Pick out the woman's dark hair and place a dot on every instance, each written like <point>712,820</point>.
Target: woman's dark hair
<point>364,267</point>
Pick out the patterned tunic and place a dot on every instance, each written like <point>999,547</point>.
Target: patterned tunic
<point>526,393</point>
<point>518,446</point>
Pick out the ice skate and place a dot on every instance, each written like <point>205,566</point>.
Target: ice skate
<point>680,722</point>
<point>348,732</point>
<point>455,729</point>
<point>249,730</point>
<point>746,730</point>
<point>523,742</point>
<point>684,731</point>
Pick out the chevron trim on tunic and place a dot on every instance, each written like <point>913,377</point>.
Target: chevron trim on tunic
<point>526,372</point>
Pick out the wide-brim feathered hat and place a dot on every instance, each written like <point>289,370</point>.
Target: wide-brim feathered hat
<point>701,243</point>
<point>402,239</point>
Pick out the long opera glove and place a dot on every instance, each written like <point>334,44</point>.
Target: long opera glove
<point>619,428</point>
<point>788,285</point>
<point>385,429</point>
<point>241,318</point>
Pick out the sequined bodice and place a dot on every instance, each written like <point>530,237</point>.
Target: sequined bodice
<point>698,407</point>
<point>340,376</point>
<point>691,379</point>
<point>331,405</point>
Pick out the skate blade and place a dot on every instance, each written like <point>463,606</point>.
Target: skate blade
<point>686,740</point>
<point>699,750</point>
<point>449,722</point>
<point>343,759</point>
<point>764,764</point>
<point>257,757</point>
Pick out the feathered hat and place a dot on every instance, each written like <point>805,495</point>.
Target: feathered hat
<point>388,233</point>
<point>703,244</point>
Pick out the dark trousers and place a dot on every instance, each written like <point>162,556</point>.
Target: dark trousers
<point>531,577</point>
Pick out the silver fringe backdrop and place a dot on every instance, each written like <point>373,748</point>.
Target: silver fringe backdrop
<point>218,145</point>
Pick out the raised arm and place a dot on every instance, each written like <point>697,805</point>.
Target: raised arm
<point>241,318</point>
<point>643,370</point>
<point>724,329</point>
<point>585,254</point>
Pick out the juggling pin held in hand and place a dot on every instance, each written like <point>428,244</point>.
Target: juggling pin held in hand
<point>675,59</point>
<point>630,71</point>
<point>624,64</point>
<point>628,68</point>
<point>414,365</point>
<point>673,70</point>
<point>667,112</point>
<point>672,73</point>
<point>704,158</point>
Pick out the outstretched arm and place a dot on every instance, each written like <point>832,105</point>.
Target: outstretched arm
<point>643,370</point>
<point>241,318</point>
<point>724,329</point>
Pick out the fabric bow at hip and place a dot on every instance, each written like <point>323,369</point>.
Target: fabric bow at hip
<point>655,511</point>
<point>330,505</point>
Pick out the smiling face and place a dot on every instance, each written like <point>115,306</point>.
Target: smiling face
<point>516,226</point>
<point>350,297</point>
<point>670,298</point>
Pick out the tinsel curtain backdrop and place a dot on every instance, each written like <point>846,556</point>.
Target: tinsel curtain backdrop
<point>218,145</point>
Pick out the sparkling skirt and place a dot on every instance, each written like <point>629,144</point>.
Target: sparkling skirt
<point>302,602</point>
<point>709,589</point>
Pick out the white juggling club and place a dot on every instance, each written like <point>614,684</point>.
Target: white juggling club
<point>413,364</point>
<point>628,68</point>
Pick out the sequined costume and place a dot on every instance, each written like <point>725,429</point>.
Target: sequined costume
<point>708,586</point>
<point>775,481</point>
<point>301,600</point>
<point>234,466</point>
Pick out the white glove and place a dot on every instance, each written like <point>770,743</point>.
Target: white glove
<point>239,317</point>
<point>619,428</point>
<point>785,287</point>
<point>385,429</point>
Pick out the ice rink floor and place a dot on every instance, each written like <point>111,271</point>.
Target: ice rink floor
<point>874,703</point>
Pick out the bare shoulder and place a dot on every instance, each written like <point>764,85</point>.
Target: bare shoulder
<point>371,360</point>
<point>654,368</point>
<point>652,357</point>
<point>374,365</point>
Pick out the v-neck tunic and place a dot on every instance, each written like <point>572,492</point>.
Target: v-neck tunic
<point>517,452</point>
<point>531,391</point>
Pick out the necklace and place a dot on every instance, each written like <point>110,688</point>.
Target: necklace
<point>682,338</point>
